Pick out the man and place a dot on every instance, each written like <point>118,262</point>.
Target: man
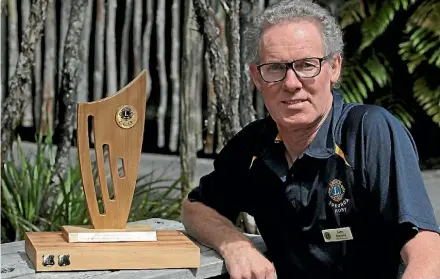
<point>335,188</point>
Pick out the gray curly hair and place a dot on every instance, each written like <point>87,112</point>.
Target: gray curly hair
<point>290,10</point>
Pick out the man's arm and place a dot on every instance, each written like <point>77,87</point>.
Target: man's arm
<point>421,255</point>
<point>210,228</point>
<point>393,174</point>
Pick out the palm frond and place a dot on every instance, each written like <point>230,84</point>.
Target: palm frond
<point>428,98</point>
<point>360,79</point>
<point>427,16</point>
<point>380,19</point>
<point>352,11</point>
<point>423,37</point>
<point>421,46</point>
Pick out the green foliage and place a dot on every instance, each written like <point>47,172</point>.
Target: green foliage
<point>150,201</point>
<point>386,41</point>
<point>360,79</point>
<point>379,19</point>
<point>428,98</point>
<point>31,202</point>
<point>353,11</point>
<point>421,50</point>
<point>26,189</point>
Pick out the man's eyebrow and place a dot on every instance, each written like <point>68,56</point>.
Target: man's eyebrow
<point>291,60</point>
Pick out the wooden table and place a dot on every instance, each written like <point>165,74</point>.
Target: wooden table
<point>15,263</point>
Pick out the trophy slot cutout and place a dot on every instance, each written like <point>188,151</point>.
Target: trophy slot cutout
<point>93,160</point>
<point>117,121</point>
<point>121,170</point>
<point>108,172</point>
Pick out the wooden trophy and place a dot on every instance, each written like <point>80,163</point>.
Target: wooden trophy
<point>109,243</point>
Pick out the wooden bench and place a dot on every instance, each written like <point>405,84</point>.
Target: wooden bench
<point>15,263</point>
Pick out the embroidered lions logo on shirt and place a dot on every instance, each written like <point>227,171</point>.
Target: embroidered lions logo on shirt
<point>336,192</point>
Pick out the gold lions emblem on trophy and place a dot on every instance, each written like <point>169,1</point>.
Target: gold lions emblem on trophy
<point>126,116</point>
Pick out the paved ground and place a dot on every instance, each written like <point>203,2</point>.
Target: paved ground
<point>163,166</point>
<point>432,181</point>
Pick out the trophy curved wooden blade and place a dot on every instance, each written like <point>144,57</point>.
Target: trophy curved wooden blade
<point>118,122</point>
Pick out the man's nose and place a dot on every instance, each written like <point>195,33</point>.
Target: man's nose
<point>291,80</point>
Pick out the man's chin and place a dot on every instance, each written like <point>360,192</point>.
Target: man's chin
<point>296,122</point>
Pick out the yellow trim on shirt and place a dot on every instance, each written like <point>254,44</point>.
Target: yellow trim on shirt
<point>341,154</point>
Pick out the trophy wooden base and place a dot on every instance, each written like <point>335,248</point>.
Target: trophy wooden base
<point>49,251</point>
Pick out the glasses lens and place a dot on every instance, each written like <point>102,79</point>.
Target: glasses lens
<point>273,72</point>
<point>307,67</point>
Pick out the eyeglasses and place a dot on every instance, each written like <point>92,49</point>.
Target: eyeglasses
<point>303,68</point>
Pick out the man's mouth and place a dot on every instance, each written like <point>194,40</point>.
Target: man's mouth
<point>293,102</point>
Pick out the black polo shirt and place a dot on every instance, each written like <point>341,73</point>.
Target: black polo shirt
<point>359,178</point>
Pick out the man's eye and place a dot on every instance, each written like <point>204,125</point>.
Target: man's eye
<point>275,67</point>
<point>305,65</point>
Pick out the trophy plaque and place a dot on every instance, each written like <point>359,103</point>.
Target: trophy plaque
<point>109,243</point>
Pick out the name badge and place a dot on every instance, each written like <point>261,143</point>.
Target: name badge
<point>339,234</point>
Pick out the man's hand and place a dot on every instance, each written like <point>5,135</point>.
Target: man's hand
<point>243,261</point>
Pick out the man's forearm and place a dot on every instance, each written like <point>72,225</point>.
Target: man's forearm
<point>210,228</point>
<point>421,256</point>
<point>425,270</point>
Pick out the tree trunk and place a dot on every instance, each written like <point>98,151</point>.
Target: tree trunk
<point>3,54</point>
<point>27,114</point>
<point>98,73</point>
<point>160,24</point>
<point>188,152</point>
<point>125,42</point>
<point>212,108</point>
<point>233,40</point>
<point>12,37</point>
<point>175,74</point>
<point>247,111</point>
<point>69,80</point>
<point>146,38</point>
<point>227,113</point>
<point>47,108</point>
<point>137,36</point>
<point>260,106</point>
<point>83,82</point>
<point>64,25</point>
<point>221,21</point>
<point>220,137</point>
<point>197,113</point>
<point>15,102</point>
<point>38,98</point>
<point>111,69</point>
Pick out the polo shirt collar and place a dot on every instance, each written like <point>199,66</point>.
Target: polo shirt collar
<point>323,145</point>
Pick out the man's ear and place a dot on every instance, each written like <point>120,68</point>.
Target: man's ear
<point>335,68</point>
<point>255,75</point>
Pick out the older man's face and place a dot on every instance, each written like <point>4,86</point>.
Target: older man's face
<point>296,102</point>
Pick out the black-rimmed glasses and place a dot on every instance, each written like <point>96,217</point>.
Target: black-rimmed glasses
<point>303,68</point>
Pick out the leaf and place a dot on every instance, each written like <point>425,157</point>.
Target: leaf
<point>375,25</point>
<point>422,43</point>
<point>426,16</point>
<point>352,11</point>
<point>428,98</point>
